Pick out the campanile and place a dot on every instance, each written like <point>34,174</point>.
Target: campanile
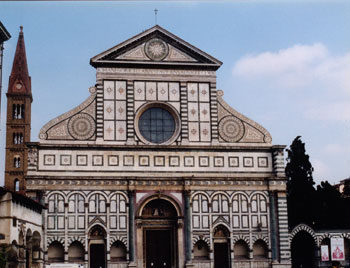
<point>18,123</point>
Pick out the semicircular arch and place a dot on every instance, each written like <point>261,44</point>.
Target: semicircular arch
<point>199,193</point>
<point>172,201</point>
<point>303,227</point>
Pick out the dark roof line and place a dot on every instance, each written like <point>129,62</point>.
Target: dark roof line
<point>24,200</point>
<point>4,34</point>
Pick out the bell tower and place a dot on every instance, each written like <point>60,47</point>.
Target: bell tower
<point>18,124</point>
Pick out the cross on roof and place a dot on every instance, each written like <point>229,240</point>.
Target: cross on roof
<point>155,15</point>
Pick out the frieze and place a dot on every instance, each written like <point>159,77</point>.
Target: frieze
<point>68,182</point>
<point>129,161</point>
<point>140,182</point>
<point>155,71</point>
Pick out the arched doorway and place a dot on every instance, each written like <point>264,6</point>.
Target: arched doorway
<point>158,224</point>
<point>222,247</point>
<point>97,247</point>
<point>29,249</point>
<point>21,251</point>
<point>303,250</point>
<point>36,248</point>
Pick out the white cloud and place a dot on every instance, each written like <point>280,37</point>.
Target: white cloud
<point>315,78</point>
<point>297,66</point>
<point>275,63</point>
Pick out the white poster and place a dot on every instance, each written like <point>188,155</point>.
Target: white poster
<point>337,249</point>
<point>324,253</point>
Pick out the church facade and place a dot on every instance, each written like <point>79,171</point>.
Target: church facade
<point>155,169</point>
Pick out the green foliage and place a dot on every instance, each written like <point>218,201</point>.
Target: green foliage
<point>301,192</point>
<point>346,190</point>
<point>333,208</point>
<point>323,208</point>
<point>2,257</point>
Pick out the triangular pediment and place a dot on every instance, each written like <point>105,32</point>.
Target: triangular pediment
<point>156,47</point>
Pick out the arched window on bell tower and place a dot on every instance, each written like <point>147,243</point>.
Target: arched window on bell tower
<point>16,185</point>
<point>17,138</point>
<point>18,111</point>
<point>14,111</point>
<point>17,162</point>
<point>22,112</point>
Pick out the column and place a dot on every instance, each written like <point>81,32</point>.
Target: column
<point>188,241</point>
<point>131,195</point>
<point>273,227</point>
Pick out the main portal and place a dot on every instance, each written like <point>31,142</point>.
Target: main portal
<point>158,248</point>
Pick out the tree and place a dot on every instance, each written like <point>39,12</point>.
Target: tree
<point>346,190</point>
<point>300,185</point>
<point>329,205</point>
<point>2,257</point>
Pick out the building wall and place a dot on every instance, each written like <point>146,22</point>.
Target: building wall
<point>23,230</point>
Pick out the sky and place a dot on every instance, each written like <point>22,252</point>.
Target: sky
<point>286,64</point>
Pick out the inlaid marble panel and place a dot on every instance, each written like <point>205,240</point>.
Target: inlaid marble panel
<point>120,110</point>
<point>162,91</point>
<point>204,112</point>
<point>151,91</point>
<point>192,92</point>
<point>193,131</point>
<point>174,92</point>
<point>203,92</point>
<point>120,90</point>
<point>109,111</point>
<point>109,90</point>
<point>120,130</point>
<point>109,130</point>
<point>205,132</point>
<point>139,91</point>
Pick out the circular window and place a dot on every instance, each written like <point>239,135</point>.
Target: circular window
<point>157,124</point>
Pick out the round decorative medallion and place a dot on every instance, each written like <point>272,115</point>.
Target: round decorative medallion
<point>231,129</point>
<point>81,126</point>
<point>156,49</point>
<point>42,136</point>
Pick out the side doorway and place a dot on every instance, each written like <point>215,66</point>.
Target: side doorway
<point>222,252</point>
<point>97,247</point>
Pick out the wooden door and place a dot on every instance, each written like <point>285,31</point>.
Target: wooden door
<point>158,249</point>
<point>97,256</point>
<point>221,255</point>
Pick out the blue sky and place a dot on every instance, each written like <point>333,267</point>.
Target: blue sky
<point>286,63</point>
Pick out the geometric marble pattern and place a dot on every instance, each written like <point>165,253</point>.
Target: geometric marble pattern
<point>114,110</point>
<point>126,159</point>
<point>198,95</point>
